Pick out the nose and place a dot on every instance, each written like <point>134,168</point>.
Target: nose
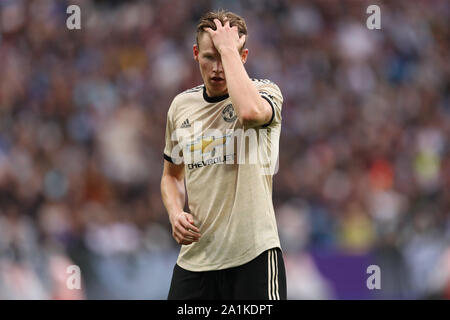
<point>217,67</point>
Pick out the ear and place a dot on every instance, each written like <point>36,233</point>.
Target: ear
<point>195,50</point>
<point>244,55</point>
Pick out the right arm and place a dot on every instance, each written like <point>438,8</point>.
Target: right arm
<point>173,195</point>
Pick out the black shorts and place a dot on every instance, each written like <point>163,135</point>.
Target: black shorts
<point>263,278</point>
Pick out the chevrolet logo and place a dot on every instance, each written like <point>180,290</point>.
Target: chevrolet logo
<point>207,144</point>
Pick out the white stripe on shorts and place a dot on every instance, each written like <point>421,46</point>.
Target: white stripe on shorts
<point>272,265</point>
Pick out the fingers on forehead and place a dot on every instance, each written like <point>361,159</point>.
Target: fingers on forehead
<point>208,30</point>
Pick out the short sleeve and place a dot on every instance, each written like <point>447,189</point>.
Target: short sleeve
<point>171,139</point>
<point>271,92</point>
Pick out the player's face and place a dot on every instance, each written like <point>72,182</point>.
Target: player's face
<point>211,67</point>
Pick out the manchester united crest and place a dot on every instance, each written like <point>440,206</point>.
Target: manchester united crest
<point>228,113</point>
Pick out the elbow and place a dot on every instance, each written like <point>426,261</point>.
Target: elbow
<point>251,116</point>
<point>247,117</point>
<point>246,120</point>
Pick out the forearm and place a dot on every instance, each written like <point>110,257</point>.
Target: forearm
<point>246,99</point>
<point>173,194</point>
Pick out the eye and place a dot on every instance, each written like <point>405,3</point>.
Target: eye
<point>209,57</point>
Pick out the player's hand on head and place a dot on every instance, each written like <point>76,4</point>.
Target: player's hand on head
<point>184,230</point>
<point>226,37</point>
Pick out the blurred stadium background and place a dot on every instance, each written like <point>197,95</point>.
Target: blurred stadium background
<point>364,156</point>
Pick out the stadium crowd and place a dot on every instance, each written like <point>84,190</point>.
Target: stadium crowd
<point>364,151</point>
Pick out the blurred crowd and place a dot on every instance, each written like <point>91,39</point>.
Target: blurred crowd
<point>364,150</point>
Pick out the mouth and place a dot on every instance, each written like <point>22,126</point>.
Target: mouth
<point>217,79</point>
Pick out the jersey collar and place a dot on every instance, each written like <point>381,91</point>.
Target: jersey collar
<point>213,99</point>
